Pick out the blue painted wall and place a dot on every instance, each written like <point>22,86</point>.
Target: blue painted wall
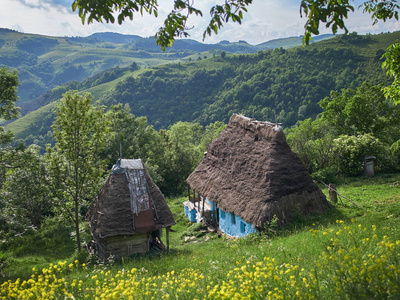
<point>191,214</point>
<point>228,222</point>
<point>212,204</point>
<point>231,224</point>
<point>234,225</point>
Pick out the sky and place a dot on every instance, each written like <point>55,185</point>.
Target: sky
<point>266,20</point>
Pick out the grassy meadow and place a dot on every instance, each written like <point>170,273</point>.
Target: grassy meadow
<point>348,252</point>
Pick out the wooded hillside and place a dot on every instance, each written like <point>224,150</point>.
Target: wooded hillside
<point>45,62</point>
<point>277,85</point>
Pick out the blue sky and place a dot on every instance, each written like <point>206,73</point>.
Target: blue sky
<point>265,20</point>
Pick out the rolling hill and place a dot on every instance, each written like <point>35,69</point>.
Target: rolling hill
<point>275,84</point>
<point>45,62</point>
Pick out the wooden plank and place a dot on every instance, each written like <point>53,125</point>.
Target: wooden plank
<point>127,245</point>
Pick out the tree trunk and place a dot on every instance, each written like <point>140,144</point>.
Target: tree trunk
<point>332,193</point>
<point>78,237</point>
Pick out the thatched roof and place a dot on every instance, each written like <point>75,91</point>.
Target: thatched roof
<point>250,170</point>
<point>120,209</point>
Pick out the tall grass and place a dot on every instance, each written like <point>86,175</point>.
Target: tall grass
<point>354,261</point>
<point>347,253</point>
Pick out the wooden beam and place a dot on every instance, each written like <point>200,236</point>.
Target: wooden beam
<point>332,193</point>
<point>203,208</point>
<point>167,236</point>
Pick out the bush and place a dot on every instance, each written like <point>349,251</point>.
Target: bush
<point>325,175</point>
<point>395,152</point>
<point>350,152</point>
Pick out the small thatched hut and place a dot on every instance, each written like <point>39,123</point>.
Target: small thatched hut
<point>249,175</point>
<point>129,212</point>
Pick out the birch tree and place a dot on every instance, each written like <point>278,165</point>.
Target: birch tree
<point>80,131</point>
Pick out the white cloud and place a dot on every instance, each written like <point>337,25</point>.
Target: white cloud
<point>264,21</point>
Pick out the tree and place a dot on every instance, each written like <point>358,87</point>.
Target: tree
<point>361,111</point>
<point>210,133</point>
<point>122,121</point>
<point>80,131</point>
<point>175,25</point>
<point>354,124</point>
<point>23,189</point>
<point>132,137</point>
<point>331,12</point>
<point>392,65</point>
<point>183,153</point>
<point>24,197</point>
<point>313,142</point>
<point>8,94</point>
<point>8,97</point>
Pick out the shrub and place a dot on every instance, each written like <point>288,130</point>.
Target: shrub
<point>325,175</point>
<point>395,152</point>
<point>350,152</point>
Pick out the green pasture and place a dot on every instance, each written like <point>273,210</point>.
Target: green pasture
<point>350,251</point>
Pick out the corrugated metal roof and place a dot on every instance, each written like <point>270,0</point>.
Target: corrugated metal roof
<point>127,164</point>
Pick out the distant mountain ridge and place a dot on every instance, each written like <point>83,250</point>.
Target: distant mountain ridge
<point>275,84</point>
<point>45,62</point>
<point>115,38</point>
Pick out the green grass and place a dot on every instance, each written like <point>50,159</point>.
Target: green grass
<point>28,124</point>
<point>326,250</point>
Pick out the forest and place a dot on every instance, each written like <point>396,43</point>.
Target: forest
<point>278,85</point>
<point>348,125</point>
<point>44,62</point>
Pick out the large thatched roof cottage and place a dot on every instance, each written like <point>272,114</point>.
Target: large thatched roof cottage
<point>249,175</point>
<point>129,212</point>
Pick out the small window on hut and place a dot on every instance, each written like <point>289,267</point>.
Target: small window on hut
<point>242,227</point>
<point>222,214</point>
<point>233,218</point>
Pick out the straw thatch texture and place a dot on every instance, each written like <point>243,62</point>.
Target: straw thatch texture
<point>163,214</point>
<point>250,170</point>
<point>111,214</point>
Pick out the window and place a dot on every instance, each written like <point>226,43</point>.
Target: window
<point>233,218</point>
<point>222,214</point>
<point>242,227</point>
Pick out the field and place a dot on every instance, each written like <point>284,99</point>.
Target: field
<point>349,252</point>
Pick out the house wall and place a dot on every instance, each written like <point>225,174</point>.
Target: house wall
<point>195,214</point>
<point>190,213</point>
<point>234,225</point>
<point>212,204</point>
<point>212,216</point>
<point>229,223</point>
<point>126,245</point>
